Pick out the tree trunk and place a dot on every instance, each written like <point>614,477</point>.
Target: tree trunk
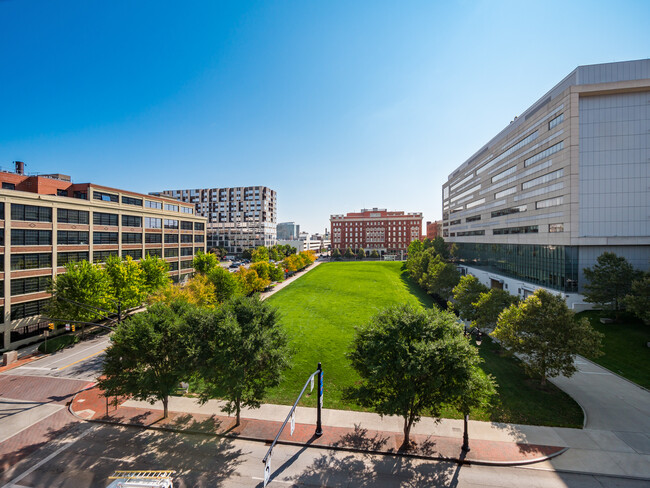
<point>165,406</point>
<point>466,434</point>
<point>543,382</point>
<point>407,432</point>
<point>238,407</point>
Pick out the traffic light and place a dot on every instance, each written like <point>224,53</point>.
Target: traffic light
<point>50,326</point>
<point>72,327</point>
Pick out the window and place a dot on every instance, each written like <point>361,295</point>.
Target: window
<point>80,195</point>
<point>508,211</point>
<point>134,253</point>
<point>31,213</point>
<point>102,256</point>
<point>105,197</point>
<point>131,221</point>
<point>27,309</point>
<point>187,210</point>
<point>186,264</point>
<point>65,216</point>
<point>8,186</point>
<point>471,233</point>
<point>198,238</point>
<point>544,154</point>
<point>64,258</point>
<point>132,201</point>
<point>186,238</point>
<point>104,237</point>
<point>29,285</point>
<point>186,251</point>
<point>171,238</point>
<point>71,237</point>
<point>503,174</point>
<point>171,224</point>
<point>556,121</point>
<point>185,225</point>
<point>154,252</point>
<point>527,229</point>
<point>551,202</point>
<point>131,238</point>
<point>173,266</point>
<point>170,207</point>
<point>152,223</point>
<point>197,249</point>
<point>100,218</point>
<point>199,226</point>
<point>543,179</point>
<point>171,252</point>
<point>151,238</point>
<point>31,261</point>
<point>61,193</point>
<point>29,237</point>
<point>454,222</point>
<point>556,227</point>
<point>153,204</point>
<point>503,193</point>
<point>2,211</point>
<point>473,219</point>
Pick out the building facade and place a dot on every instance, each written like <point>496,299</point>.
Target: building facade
<point>307,242</point>
<point>288,231</point>
<point>389,233</point>
<point>48,221</point>
<point>434,229</point>
<point>237,218</point>
<point>564,182</point>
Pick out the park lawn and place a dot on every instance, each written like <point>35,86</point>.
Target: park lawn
<point>624,346</point>
<point>320,310</point>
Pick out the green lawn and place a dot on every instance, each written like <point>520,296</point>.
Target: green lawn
<point>320,310</point>
<point>624,347</point>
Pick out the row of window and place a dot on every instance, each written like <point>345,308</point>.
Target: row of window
<point>32,237</point>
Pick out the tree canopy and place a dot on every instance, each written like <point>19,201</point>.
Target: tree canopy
<point>466,293</point>
<point>638,300</point>
<point>204,263</point>
<point>489,306</point>
<point>609,281</point>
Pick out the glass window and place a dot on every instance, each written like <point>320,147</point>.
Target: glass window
<point>132,201</point>
<point>170,207</point>
<point>544,154</point>
<point>503,174</point>
<point>131,238</point>
<point>171,252</point>
<point>526,229</point>
<point>173,266</point>
<point>185,225</point>
<point>171,224</point>
<point>171,238</point>
<point>199,238</point>
<point>29,237</point>
<point>71,237</point>
<point>153,204</point>
<point>134,253</point>
<point>27,309</point>
<point>187,210</point>
<point>31,213</point>
<point>64,258</point>
<point>199,226</point>
<point>152,223</point>
<point>503,193</point>
<point>154,252</point>
<point>556,121</point>
<point>31,261</point>
<point>186,251</point>
<point>105,197</point>
<point>151,238</point>
<point>100,218</point>
<point>556,227</point>
<point>473,219</point>
<point>551,202</point>
<point>66,216</point>
<point>61,193</point>
<point>186,264</point>
<point>105,237</point>
<point>543,179</point>
<point>471,233</point>
<point>508,211</point>
<point>131,221</point>
<point>8,186</point>
<point>102,256</point>
<point>186,238</point>
<point>34,284</point>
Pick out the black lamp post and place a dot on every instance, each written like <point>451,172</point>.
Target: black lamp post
<point>474,331</point>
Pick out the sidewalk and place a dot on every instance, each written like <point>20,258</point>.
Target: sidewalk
<point>344,430</point>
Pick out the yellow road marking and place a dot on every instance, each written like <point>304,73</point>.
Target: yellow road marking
<point>82,359</point>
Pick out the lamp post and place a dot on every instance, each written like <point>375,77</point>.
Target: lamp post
<point>473,331</point>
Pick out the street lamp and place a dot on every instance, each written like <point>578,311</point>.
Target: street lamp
<point>473,331</point>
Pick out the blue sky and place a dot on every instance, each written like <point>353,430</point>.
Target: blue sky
<point>335,105</point>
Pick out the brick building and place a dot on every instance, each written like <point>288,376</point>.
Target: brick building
<point>389,233</point>
<point>434,229</point>
<point>47,221</point>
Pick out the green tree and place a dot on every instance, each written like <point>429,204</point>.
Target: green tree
<point>374,254</point>
<point>225,283</point>
<point>411,361</point>
<point>477,388</point>
<point>466,293</point>
<point>261,254</point>
<point>440,278</point>
<point>415,247</point>
<point>545,332</point>
<point>609,281</point>
<point>361,253</point>
<point>336,254</point>
<point>250,282</point>
<point>204,263</point>
<point>241,354</point>
<point>147,357</point>
<point>638,301</point>
<point>127,281</point>
<point>155,272</point>
<point>277,273</point>
<point>274,255</point>
<point>349,253</point>
<point>247,253</point>
<point>441,247</point>
<point>489,306</point>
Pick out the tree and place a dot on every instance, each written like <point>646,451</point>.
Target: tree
<point>545,332</point>
<point>147,357</point>
<point>441,248</point>
<point>489,306</point>
<point>127,281</point>
<point>361,253</point>
<point>155,272</point>
<point>415,247</point>
<point>336,254</point>
<point>204,263</point>
<point>241,354</point>
<point>225,283</point>
<point>198,291</point>
<point>274,255</point>
<point>349,253</point>
<point>476,391</point>
<point>374,254</point>
<point>609,281</point>
<point>250,282</point>
<point>466,293</point>
<point>247,253</point>
<point>261,254</point>
<point>440,278</point>
<point>411,361</point>
<point>638,301</point>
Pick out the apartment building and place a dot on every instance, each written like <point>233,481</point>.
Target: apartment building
<point>434,229</point>
<point>237,218</point>
<point>564,182</point>
<point>47,221</point>
<point>389,233</point>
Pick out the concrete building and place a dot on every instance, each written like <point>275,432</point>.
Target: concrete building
<point>389,233</point>
<point>307,242</point>
<point>288,231</point>
<point>47,221</point>
<point>434,229</point>
<point>238,218</point>
<point>564,182</point>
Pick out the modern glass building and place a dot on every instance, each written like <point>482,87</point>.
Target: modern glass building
<point>564,182</point>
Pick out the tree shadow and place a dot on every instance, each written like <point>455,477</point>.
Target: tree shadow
<point>359,439</point>
<point>426,300</point>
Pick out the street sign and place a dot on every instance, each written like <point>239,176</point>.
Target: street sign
<point>46,333</point>
<point>293,422</point>
<point>312,384</point>
<point>67,327</point>
<point>267,470</point>
<point>321,388</point>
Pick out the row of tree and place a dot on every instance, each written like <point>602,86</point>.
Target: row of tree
<point>274,253</point>
<point>350,254</point>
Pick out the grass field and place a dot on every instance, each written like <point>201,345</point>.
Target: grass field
<point>624,347</point>
<point>320,310</point>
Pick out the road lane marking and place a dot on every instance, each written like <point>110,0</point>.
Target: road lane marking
<point>13,482</point>
<point>83,351</point>
<point>82,359</point>
<point>33,367</point>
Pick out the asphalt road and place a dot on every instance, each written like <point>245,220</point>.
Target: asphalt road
<point>89,453</point>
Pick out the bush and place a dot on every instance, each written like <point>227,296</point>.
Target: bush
<point>57,343</point>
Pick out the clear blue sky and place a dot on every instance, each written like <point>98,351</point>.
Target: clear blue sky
<point>335,105</point>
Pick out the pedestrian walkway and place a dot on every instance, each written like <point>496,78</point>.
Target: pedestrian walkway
<point>288,281</point>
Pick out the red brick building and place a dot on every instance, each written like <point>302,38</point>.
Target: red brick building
<point>434,229</point>
<point>389,233</point>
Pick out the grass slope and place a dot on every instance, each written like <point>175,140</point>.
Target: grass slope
<point>320,310</point>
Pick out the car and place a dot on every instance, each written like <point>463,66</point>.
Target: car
<point>234,265</point>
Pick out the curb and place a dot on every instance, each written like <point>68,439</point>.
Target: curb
<point>614,373</point>
<point>458,460</point>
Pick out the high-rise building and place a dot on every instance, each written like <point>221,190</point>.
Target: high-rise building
<point>564,182</point>
<point>389,233</point>
<point>238,218</point>
<point>47,221</point>
<point>288,231</point>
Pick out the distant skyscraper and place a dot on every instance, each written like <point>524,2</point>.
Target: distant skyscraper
<point>288,230</point>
